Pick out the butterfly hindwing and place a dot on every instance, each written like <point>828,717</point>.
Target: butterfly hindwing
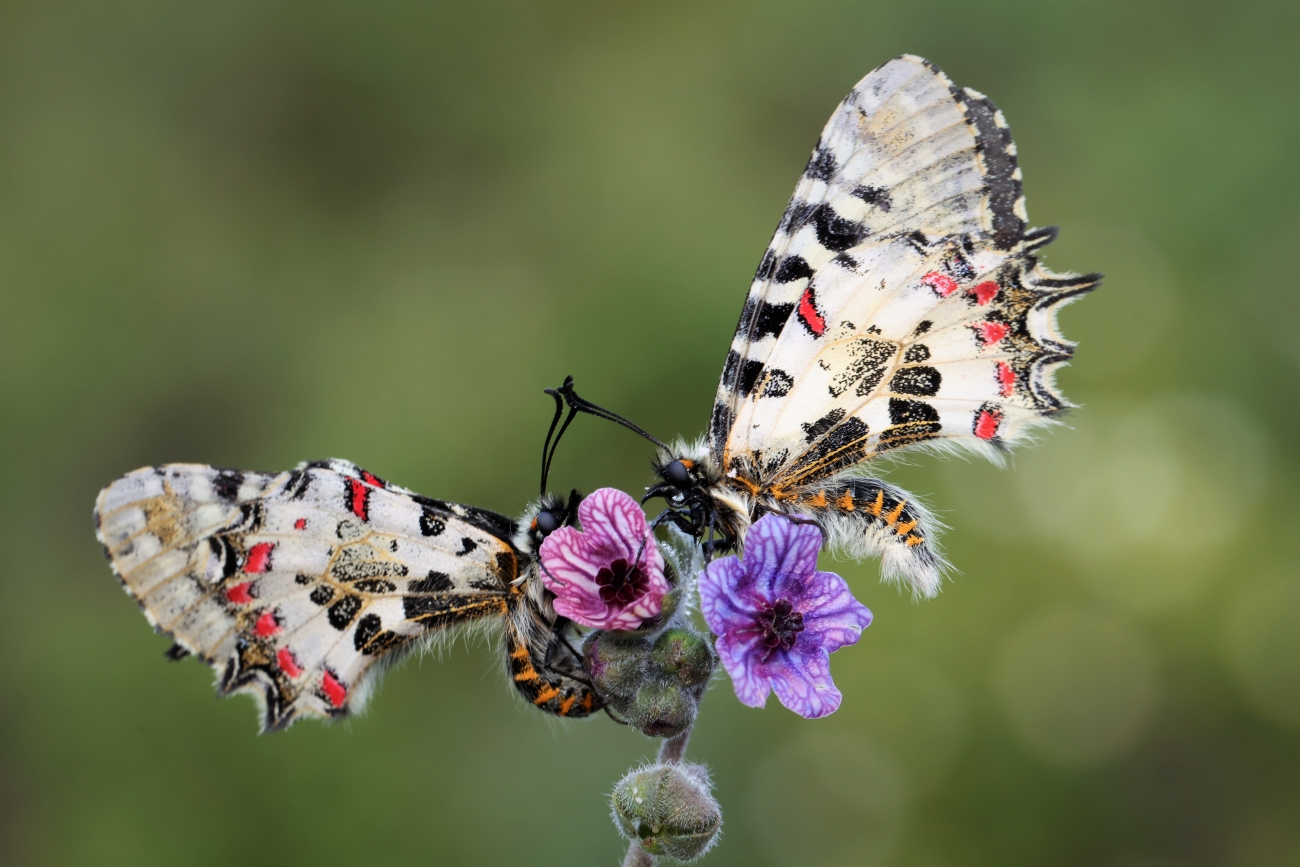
<point>296,586</point>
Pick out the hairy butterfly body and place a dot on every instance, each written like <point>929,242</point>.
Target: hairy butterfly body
<point>301,587</point>
<point>899,305</point>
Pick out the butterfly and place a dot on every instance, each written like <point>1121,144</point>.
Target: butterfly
<point>899,305</point>
<point>301,587</point>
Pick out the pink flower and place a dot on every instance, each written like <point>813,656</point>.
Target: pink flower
<point>610,574</point>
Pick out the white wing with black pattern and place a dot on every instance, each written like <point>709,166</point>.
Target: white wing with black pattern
<point>900,302</point>
<point>298,587</point>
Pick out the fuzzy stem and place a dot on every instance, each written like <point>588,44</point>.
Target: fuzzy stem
<point>637,857</point>
<point>673,749</point>
<point>671,752</point>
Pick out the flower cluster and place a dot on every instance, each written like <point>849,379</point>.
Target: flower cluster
<point>773,618</point>
<point>776,618</point>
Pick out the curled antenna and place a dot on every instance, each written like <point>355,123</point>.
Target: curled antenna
<point>578,404</point>
<point>548,449</point>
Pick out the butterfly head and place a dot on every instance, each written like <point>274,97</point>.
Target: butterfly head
<point>544,517</point>
<point>680,479</point>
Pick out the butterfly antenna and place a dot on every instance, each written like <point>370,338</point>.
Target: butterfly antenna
<point>578,404</point>
<point>548,449</point>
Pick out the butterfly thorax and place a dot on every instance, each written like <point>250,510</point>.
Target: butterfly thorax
<point>702,500</point>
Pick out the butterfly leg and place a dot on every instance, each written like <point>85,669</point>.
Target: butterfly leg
<point>680,519</point>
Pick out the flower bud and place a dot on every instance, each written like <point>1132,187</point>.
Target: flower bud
<point>668,809</point>
<point>685,653</point>
<point>616,665</point>
<point>662,709</point>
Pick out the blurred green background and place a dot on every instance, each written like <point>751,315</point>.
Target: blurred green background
<point>251,233</point>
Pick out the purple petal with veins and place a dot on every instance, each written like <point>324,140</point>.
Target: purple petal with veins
<point>778,619</point>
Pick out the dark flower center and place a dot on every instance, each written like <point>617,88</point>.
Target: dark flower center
<point>781,626</point>
<point>621,582</point>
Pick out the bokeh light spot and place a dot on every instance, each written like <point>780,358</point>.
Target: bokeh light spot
<point>1147,501</point>
<point>1077,686</point>
<point>1264,644</point>
<point>828,800</point>
<point>906,706</point>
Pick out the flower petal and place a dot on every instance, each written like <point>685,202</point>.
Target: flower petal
<point>567,560</point>
<point>803,683</point>
<point>572,559</point>
<point>583,610</point>
<point>723,607</point>
<point>739,657</point>
<point>610,618</point>
<point>780,562</point>
<point>780,555</point>
<point>613,522</point>
<point>831,616</point>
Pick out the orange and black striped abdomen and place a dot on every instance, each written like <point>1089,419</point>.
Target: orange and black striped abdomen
<point>545,670</point>
<point>873,502</point>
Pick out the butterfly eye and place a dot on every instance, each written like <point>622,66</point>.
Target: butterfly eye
<point>547,523</point>
<point>678,474</point>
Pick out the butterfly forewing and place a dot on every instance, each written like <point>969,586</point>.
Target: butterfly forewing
<point>899,303</point>
<point>897,156</point>
<point>293,586</point>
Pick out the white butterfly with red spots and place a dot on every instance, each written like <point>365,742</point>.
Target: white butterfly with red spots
<point>299,587</point>
<point>900,304</point>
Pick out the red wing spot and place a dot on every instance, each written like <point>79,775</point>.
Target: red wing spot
<point>334,691</point>
<point>984,292</point>
<point>991,332</point>
<point>288,664</point>
<point>986,425</point>
<point>808,313</point>
<point>240,594</point>
<point>941,283</point>
<point>300,524</point>
<point>358,499</point>
<point>259,558</point>
<point>371,479</point>
<point>266,625</point>
<point>1006,378</point>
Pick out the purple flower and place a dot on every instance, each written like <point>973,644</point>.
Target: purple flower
<point>778,619</point>
<point>609,575</point>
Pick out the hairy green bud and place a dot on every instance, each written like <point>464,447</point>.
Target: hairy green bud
<point>668,809</point>
<point>617,664</point>
<point>652,679</point>
<point>685,653</point>
<point>663,709</point>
